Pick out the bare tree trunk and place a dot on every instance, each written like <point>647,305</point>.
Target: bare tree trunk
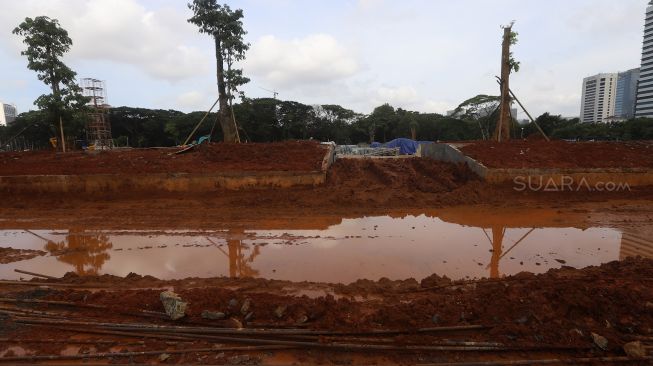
<point>229,132</point>
<point>502,130</point>
<point>55,92</point>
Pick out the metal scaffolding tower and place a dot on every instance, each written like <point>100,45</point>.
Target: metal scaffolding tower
<point>98,127</point>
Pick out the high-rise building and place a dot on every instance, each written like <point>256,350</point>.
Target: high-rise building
<point>644,106</point>
<point>599,96</point>
<point>626,94</point>
<point>7,113</point>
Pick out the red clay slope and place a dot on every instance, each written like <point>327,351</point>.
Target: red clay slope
<point>215,157</point>
<point>561,154</point>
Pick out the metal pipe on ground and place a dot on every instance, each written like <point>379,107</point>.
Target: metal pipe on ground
<point>206,330</point>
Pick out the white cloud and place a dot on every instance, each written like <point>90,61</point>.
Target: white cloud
<point>400,96</point>
<point>191,100</point>
<point>435,106</point>
<point>317,58</point>
<point>123,31</point>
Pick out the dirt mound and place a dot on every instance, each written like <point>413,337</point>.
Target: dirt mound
<point>561,154</point>
<point>412,174</point>
<point>553,313</point>
<point>208,158</point>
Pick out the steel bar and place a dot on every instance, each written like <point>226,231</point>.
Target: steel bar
<point>207,330</point>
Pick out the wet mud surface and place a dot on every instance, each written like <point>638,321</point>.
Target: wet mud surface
<point>536,315</point>
<point>523,315</point>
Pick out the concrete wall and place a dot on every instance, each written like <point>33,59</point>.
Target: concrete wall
<point>534,176</point>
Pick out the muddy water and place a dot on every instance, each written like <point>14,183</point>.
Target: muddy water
<point>453,244</point>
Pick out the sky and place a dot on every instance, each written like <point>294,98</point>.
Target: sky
<point>421,55</point>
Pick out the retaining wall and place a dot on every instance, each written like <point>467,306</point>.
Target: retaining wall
<point>553,177</point>
<point>166,182</point>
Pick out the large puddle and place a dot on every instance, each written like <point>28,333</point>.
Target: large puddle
<point>342,251</point>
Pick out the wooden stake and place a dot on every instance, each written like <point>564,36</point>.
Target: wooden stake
<point>63,139</point>
<point>200,122</point>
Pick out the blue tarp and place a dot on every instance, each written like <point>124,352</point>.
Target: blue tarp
<point>406,146</point>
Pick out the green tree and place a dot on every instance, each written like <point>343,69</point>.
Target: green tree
<point>481,109</point>
<point>46,44</point>
<point>382,120</point>
<point>226,28</point>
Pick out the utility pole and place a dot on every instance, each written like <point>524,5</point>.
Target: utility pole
<point>502,130</point>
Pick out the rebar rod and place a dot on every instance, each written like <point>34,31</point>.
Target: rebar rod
<point>207,330</point>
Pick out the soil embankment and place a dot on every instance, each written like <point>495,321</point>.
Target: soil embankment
<point>206,158</point>
<point>561,154</point>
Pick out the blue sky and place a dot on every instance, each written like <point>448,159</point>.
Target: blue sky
<point>424,55</point>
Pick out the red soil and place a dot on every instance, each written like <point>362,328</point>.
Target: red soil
<point>561,154</point>
<point>559,308</point>
<point>215,157</point>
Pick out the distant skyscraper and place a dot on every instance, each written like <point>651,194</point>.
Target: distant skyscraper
<point>598,100</point>
<point>626,94</point>
<point>644,107</point>
<point>7,113</point>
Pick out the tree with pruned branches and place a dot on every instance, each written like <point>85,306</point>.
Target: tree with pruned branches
<point>226,27</point>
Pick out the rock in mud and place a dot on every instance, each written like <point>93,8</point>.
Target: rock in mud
<point>213,315</point>
<point>303,319</point>
<point>600,341</point>
<point>164,357</point>
<point>174,306</point>
<point>235,323</point>
<point>233,303</point>
<point>246,305</point>
<point>279,311</point>
<point>635,349</point>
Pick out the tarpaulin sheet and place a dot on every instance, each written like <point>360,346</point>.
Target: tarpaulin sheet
<point>406,146</point>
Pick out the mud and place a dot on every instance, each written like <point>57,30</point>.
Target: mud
<point>558,308</point>
<point>561,154</point>
<point>561,307</point>
<point>206,158</point>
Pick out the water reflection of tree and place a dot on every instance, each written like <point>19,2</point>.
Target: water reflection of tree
<point>498,234</point>
<point>86,252</point>
<point>239,261</point>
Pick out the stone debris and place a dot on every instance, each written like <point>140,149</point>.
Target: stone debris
<point>635,349</point>
<point>600,341</point>
<point>175,308</point>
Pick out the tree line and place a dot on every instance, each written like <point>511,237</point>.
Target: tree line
<point>268,120</point>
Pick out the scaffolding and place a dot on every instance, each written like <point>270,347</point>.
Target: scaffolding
<point>98,127</point>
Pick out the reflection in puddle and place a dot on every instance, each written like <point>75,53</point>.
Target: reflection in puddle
<point>369,247</point>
